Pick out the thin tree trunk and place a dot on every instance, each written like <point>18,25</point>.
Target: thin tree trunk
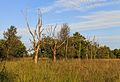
<point>91,51</point>
<point>54,52</point>
<point>54,56</point>
<point>79,49</point>
<point>87,53</point>
<point>66,48</point>
<point>94,52</point>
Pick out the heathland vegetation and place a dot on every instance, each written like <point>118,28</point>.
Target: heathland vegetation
<point>76,58</point>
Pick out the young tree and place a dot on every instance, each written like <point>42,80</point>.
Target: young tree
<point>36,35</point>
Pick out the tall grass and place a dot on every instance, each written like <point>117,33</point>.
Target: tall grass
<point>63,71</point>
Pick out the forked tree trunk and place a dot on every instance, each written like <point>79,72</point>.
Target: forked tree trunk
<point>51,33</point>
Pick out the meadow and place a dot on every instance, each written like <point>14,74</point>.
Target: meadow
<point>73,70</point>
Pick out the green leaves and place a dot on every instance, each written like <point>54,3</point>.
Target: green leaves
<point>11,44</point>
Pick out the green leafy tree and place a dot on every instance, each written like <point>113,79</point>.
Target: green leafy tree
<point>116,52</point>
<point>13,45</point>
<point>46,45</point>
<point>79,44</point>
<point>103,52</point>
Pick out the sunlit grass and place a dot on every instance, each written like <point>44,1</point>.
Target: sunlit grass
<point>63,71</point>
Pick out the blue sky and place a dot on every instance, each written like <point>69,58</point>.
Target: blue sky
<point>100,18</point>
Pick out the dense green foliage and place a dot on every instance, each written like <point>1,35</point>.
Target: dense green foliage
<point>11,45</point>
<point>116,52</point>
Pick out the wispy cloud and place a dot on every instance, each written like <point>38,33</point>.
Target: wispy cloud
<point>80,5</point>
<point>99,20</point>
<point>110,40</point>
<point>109,37</point>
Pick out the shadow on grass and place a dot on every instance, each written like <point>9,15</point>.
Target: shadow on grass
<point>6,76</point>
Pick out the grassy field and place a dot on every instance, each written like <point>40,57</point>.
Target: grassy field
<point>25,70</point>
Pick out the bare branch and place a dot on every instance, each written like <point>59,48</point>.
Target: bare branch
<point>54,30</point>
<point>49,31</point>
<point>28,26</point>
<point>39,23</point>
<point>61,44</point>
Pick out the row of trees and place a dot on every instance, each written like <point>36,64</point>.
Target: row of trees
<point>75,46</point>
<point>56,45</point>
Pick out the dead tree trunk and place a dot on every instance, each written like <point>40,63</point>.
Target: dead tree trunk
<point>36,35</point>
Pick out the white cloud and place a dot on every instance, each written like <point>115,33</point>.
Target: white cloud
<point>48,8</point>
<point>85,4</point>
<point>79,5</point>
<point>99,20</point>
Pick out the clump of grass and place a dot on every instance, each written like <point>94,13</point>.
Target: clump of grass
<point>65,71</point>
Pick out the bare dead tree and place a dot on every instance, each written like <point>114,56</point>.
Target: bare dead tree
<point>36,35</point>
<point>51,33</point>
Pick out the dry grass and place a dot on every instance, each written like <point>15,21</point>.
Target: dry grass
<point>63,71</point>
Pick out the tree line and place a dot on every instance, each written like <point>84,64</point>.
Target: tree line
<point>60,44</point>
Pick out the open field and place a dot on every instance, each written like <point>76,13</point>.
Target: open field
<point>25,70</point>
